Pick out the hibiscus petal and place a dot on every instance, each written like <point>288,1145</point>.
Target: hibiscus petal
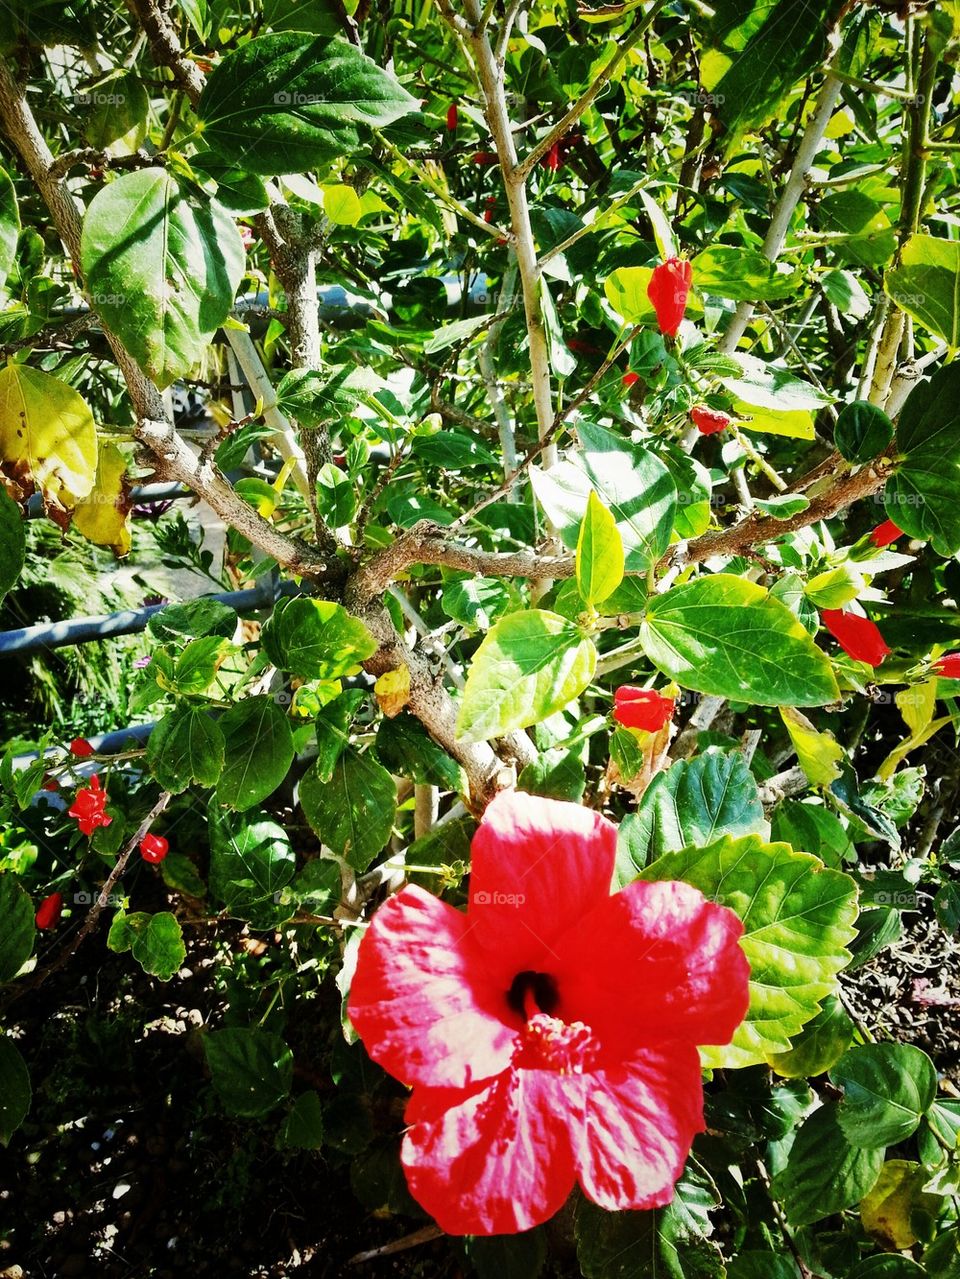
<point>493,1162</point>
<point>639,1123</point>
<point>421,1000</point>
<point>656,961</point>
<point>537,866</point>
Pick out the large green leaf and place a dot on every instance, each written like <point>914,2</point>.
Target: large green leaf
<point>286,103</point>
<point>529,665</point>
<point>925,284</point>
<point>761,49</point>
<point>726,636</point>
<point>797,916</point>
<point>15,1092</point>
<point>887,1089</point>
<point>631,482</point>
<point>17,927</point>
<point>353,812</point>
<point>820,1044</point>
<point>162,264</point>
<point>251,860</point>
<point>770,399</point>
<point>252,1069</point>
<point>693,802</point>
<point>259,751</point>
<point>47,434</point>
<point>731,271</point>
<point>316,639</point>
<point>185,747</point>
<point>9,227</point>
<point>921,495</point>
<point>824,1172</point>
<point>155,941</point>
<point>12,542</point>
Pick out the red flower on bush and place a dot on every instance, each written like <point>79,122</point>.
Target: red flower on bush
<point>642,708</point>
<point>857,636</point>
<point>630,379</point>
<point>453,117</point>
<point>709,421</point>
<point>668,290</point>
<point>552,159</point>
<point>81,748</point>
<point>948,666</point>
<point>49,911</point>
<point>154,848</point>
<point>89,807</point>
<point>885,533</point>
<point>550,1032</point>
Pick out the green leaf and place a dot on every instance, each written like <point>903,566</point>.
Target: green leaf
<point>316,639</point>
<point>251,860</point>
<point>771,399</point>
<point>186,746</point>
<point>924,284</point>
<point>195,618</point>
<point>47,434</point>
<point>820,1044</point>
<point>12,542</point>
<point>259,752</point>
<point>529,665</point>
<point>284,103</point>
<point>693,802</point>
<point>862,431</point>
<point>626,291</point>
<point>782,507</point>
<point>824,1173</point>
<point>476,602</point>
<point>818,753</point>
<point>302,1127</point>
<point>599,553</point>
<point>17,929</point>
<point>195,669</point>
<point>15,1092</point>
<point>921,495</point>
<point>762,1265</point>
<point>797,916</point>
<point>162,264</point>
<point>406,748</point>
<point>887,1089</point>
<point>745,275</point>
<point>453,450</point>
<point>155,941</point>
<point>759,51</point>
<point>180,874</point>
<point>726,636</point>
<point>556,774</point>
<point>252,1069</point>
<point>634,485</point>
<point>333,730</point>
<point>9,228</point>
<point>520,1256</point>
<point>353,812</point>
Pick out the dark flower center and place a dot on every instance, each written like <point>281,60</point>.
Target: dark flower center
<point>531,993</point>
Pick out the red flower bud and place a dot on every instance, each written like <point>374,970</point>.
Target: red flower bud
<point>50,783</point>
<point>857,636</point>
<point>668,289</point>
<point>154,848</point>
<point>642,708</point>
<point>709,421</point>
<point>453,117</point>
<point>630,379</point>
<point>551,160</point>
<point>81,748</point>
<point>948,666</point>
<point>885,533</point>
<point>48,912</point>
<point>484,157</point>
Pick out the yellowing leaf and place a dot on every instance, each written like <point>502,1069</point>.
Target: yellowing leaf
<point>102,516</point>
<point>887,1211</point>
<point>47,435</point>
<point>819,753</point>
<point>342,205</point>
<point>626,291</point>
<point>916,704</point>
<point>392,690</point>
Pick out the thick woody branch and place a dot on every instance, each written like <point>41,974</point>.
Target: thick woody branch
<point>166,47</point>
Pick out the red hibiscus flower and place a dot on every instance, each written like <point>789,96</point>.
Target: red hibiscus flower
<point>885,533</point>
<point>642,708</point>
<point>857,636</point>
<point>948,666</point>
<point>81,748</point>
<point>552,159</point>
<point>550,1032</point>
<point>154,848</point>
<point>49,910</point>
<point>453,117</point>
<point>630,379</point>
<point>668,289</point>
<point>709,421</point>
<point>89,807</point>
